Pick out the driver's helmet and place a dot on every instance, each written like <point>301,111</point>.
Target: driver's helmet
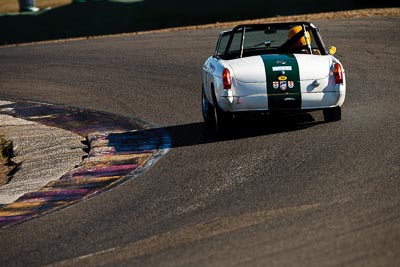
<point>302,41</point>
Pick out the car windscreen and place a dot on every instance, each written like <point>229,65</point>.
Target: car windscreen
<point>223,42</point>
<point>259,40</point>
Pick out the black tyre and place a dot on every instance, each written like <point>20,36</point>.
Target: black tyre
<point>222,120</point>
<point>207,109</point>
<point>332,114</point>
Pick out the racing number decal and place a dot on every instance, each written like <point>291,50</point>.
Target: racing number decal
<point>283,82</point>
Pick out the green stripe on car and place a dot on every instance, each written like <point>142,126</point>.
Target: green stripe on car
<point>282,71</point>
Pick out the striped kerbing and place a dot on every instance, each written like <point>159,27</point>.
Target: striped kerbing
<point>283,82</point>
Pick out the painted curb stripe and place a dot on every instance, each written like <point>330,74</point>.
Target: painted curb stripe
<point>279,99</point>
<point>118,147</point>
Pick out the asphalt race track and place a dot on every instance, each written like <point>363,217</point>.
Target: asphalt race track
<point>295,193</point>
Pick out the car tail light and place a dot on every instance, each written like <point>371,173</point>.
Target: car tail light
<point>226,79</point>
<point>338,73</point>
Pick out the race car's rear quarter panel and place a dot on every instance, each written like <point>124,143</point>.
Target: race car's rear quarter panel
<point>249,84</point>
<point>318,87</point>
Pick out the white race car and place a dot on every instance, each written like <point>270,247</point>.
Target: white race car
<point>268,68</point>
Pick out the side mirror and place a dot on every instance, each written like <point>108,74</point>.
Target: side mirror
<point>332,50</point>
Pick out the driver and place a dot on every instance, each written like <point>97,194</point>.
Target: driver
<point>301,45</point>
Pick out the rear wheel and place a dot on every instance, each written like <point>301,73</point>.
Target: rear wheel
<point>222,120</point>
<point>207,109</point>
<point>332,114</point>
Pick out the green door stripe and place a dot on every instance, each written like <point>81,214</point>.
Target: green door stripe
<point>279,99</point>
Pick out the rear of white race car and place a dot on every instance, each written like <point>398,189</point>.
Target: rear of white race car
<point>281,83</point>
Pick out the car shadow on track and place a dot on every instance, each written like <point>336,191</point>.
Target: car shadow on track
<point>197,133</point>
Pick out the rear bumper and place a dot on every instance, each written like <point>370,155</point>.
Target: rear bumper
<point>309,101</point>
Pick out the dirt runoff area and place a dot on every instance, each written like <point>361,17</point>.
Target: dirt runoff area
<point>6,164</point>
